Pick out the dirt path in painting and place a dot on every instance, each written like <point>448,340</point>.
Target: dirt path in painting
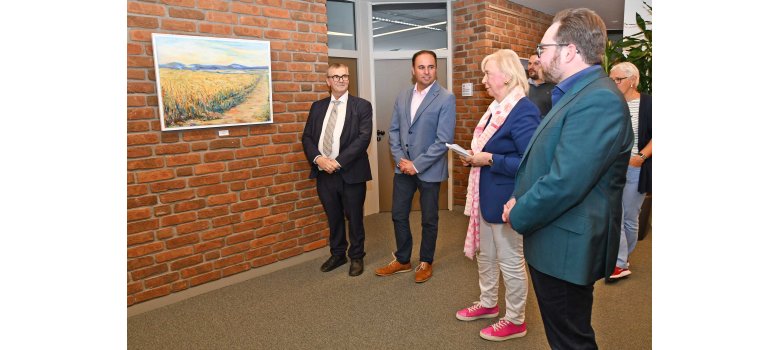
<point>255,106</point>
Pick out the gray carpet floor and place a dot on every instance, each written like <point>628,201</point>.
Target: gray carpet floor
<point>300,307</point>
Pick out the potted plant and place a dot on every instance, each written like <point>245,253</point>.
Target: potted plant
<point>637,49</point>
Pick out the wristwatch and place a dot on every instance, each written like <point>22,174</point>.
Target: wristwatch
<point>642,156</point>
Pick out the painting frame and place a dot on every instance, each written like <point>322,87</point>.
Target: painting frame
<point>207,82</point>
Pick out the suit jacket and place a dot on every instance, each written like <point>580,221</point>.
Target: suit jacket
<point>569,185</point>
<point>507,145</point>
<point>423,140</point>
<point>645,135</point>
<point>355,138</point>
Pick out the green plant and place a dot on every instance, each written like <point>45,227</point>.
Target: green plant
<point>637,49</point>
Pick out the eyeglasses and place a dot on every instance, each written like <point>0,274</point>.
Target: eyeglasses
<point>339,77</point>
<point>618,80</point>
<point>540,46</point>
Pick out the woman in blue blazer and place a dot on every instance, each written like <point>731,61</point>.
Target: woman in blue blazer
<point>499,141</point>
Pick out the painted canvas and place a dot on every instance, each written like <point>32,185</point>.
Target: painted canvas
<point>207,82</point>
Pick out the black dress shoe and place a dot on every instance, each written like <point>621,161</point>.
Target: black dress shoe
<point>333,262</point>
<point>356,267</point>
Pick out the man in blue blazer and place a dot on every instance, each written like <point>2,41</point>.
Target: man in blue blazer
<point>568,189</point>
<point>423,121</point>
<point>335,140</point>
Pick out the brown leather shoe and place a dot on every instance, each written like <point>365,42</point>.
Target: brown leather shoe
<point>423,272</point>
<point>393,267</point>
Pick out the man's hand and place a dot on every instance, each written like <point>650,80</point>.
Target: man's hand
<point>407,167</point>
<point>507,209</point>
<point>328,165</point>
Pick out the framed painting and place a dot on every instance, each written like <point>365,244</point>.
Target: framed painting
<point>207,82</point>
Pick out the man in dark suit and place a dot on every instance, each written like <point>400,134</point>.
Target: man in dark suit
<point>539,90</point>
<point>335,140</point>
<point>423,121</point>
<point>568,189</point>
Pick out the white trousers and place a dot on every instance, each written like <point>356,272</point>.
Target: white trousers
<point>501,252</point>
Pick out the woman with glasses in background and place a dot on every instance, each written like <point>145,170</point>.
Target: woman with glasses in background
<point>638,178</point>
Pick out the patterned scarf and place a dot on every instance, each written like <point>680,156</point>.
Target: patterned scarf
<point>482,135</point>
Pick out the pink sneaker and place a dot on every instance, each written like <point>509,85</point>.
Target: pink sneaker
<point>477,311</point>
<point>503,330</point>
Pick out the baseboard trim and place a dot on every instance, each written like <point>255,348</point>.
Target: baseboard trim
<point>224,282</point>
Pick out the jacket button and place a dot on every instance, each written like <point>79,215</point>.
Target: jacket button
<point>410,132</point>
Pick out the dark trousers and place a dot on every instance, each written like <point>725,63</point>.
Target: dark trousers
<point>565,309</point>
<point>342,199</point>
<point>404,187</point>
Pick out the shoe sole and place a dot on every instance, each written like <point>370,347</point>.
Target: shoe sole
<point>334,267</point>
<point>620,275</point>
<point>390,274</point>
<point>494,338</point>
<point>466,318</point>
<point>416,281</point>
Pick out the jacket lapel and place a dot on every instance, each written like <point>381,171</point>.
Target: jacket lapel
<point>347,120</point>
<point>565,99</point>
<point>319,115</point>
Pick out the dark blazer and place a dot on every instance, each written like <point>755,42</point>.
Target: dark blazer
<point>540,96</point>
<point>354,141</point>
<point>645,135</point>
<point>569,186</point>
<point>423,140</point>
<point>507,145</point>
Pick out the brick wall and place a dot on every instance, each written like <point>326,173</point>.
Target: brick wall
<point>201,207</point>
<point>481,28</point>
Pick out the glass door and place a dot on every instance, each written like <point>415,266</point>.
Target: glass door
<point>398,31</point>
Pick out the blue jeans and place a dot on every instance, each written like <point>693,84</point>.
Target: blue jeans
<point>404,187</point>
<point>632,204</point>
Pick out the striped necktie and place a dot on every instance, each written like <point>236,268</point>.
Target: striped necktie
<point>327,140</point>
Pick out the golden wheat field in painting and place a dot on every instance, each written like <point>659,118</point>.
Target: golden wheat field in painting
<point>200,98</point>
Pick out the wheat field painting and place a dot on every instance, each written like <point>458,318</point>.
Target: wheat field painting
<point>212,82</point>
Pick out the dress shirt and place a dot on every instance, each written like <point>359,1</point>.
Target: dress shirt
<point>341,113</point>
<point>565,85</point>
<point>417,98</point>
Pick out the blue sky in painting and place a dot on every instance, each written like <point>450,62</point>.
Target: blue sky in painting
<point>202,50</point>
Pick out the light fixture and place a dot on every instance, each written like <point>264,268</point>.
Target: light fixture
<point>339,33</point>
<point>414,26</point>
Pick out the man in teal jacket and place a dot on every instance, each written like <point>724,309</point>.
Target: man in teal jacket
<point>568,189</point>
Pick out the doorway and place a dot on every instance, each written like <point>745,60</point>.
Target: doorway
<point>398,30</point>
<point>378,38</point>
<point>391,77</point>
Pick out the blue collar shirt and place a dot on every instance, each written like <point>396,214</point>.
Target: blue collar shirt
<point>559,90</point>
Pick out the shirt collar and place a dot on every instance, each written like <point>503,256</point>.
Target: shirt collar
<point>569,82</point>
<point>425,91</point>
<point>342,99</point>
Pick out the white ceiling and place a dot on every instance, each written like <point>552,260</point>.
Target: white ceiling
<point>611,11</point>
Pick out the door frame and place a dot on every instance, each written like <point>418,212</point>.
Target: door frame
<point>365,61</point>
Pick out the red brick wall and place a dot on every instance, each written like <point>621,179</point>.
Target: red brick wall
<point>201,207</point>
<point>481,28</point>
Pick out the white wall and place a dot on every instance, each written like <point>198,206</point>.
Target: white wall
<point>629,15</point>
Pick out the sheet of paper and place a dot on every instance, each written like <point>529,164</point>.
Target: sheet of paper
<point>457,149</point>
